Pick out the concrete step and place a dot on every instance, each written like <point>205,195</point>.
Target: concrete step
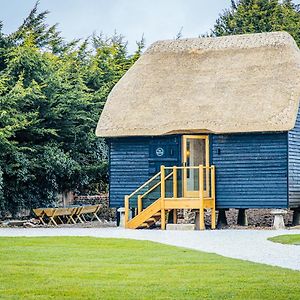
<point>180,227</point>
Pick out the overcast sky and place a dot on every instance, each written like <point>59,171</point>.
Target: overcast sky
<point>156,19</point>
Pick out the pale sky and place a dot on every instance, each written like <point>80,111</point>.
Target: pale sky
<point>156,19</point>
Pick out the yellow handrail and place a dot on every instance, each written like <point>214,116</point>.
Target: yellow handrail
<point>142,186</point>
<point>140,202</point>
<point>190,167</point>
<point>156,185</point>
<point>205,194</point>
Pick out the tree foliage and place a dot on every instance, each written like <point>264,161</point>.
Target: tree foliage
<point>251,16</point>
<point>51,95</point>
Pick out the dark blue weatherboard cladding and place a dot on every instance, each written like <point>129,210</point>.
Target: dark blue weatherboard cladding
<point>128,167</point>
<point>294,164</point>
<point>133,160</point>
<point>251,170</point>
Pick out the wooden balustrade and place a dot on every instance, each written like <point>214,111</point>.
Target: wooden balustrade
<point>204,199</point>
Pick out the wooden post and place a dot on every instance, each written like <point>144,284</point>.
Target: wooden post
<point>184,180</point>
<point>201,196</point>
<point>213,196</point>
<point>126,211</point>
<point>207,187</point>
<point>140,204</point>
<point>175,216</point>
<point>175,193</point>
<point>162,196</point>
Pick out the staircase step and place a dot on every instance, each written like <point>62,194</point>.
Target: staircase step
<point>157,215</point>
<point>151,220</point>
<point>143,225</point>
<point>150,213</point>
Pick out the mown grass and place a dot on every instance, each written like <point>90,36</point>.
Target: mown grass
<point>292,239</point>
<point>92,268</point>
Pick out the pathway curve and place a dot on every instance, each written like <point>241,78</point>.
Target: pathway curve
<point>249,245</point>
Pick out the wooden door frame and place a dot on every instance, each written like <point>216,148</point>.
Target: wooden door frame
<point>184,161</point>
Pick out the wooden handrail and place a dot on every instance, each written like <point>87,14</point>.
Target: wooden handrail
<point>156,185</point>
<point>140,202</point>
<point>142,186</point>
<point>206,194</point>
<point>159,173</point>
<point>190,167</point>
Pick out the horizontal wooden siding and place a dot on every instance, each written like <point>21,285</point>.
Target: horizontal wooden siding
<point>128,167</point>
<point>294,164</point>
<point>251,170</point>
<point>133,160</point>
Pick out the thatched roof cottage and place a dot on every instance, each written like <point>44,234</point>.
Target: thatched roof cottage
<point>229,102</point>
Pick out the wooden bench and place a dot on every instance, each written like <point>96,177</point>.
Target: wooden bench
<point>39,212</point>
<point>57,213</point>
<point>88,210</point>
<point>71,214</point>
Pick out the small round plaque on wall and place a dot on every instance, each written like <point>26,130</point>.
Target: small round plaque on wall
<point>159,151</point>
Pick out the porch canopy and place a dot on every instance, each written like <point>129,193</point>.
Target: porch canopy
<point>241,83</point>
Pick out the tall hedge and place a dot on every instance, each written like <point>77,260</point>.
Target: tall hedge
<point>51,95</point>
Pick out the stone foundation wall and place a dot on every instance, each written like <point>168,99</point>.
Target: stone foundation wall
<point>256,217</point>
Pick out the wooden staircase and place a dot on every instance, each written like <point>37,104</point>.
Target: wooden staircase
<point>150,223</point>
<point>146,218</point>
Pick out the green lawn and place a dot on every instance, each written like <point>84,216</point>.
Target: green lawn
<point>293,239</point>
<point>91,268</point>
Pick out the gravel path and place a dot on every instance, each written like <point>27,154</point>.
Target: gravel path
<point>249,245</point>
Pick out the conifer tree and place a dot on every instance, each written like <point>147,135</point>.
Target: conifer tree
<point>51,95</point>
<point>252,16</point>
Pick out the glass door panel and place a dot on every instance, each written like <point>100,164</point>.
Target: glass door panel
<point>195,153</point>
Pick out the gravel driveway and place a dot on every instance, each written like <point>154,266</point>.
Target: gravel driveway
<point>249,245</point>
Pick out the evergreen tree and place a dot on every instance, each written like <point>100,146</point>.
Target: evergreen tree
<point>51,95</point>
<point>251,16</point>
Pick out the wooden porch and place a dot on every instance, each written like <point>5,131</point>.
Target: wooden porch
<point>171,189</point>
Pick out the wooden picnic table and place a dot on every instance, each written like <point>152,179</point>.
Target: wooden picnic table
<point>39,212</point>
<point>69,214</point>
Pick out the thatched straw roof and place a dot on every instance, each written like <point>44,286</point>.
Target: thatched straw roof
<point>241,83</point>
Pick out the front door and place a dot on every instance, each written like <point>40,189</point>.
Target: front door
<point>195,153</point>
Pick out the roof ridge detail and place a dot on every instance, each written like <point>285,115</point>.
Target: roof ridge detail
<point>244,41</point>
